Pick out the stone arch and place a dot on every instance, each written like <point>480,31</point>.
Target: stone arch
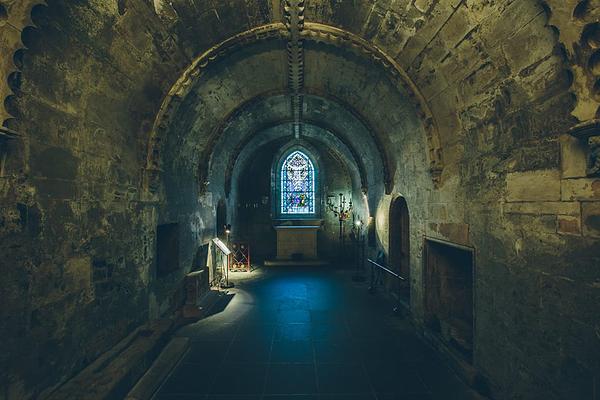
<point>235,155</point>
<point>399,240</point>
<point>217,134</point>
<point>268,138</point>
<point>313,32</point>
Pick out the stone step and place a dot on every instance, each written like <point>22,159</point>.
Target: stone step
<point>168,359</point>
<point>116,371</point>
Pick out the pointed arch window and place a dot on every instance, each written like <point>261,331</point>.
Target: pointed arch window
<point>297,176</point>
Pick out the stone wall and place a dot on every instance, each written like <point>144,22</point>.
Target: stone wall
<point>514,188</point>
<point>76,226</point>
<point>488,89</point>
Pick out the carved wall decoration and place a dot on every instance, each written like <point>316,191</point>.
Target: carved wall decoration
<point>579,32</point>
<point>577,22</point>
<point>15,16</point>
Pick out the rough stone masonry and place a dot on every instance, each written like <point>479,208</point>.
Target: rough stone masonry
<point>122,115</point>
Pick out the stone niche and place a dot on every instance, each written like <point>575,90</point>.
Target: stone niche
<point>449,293</point>
<point>297,240</point>
<point>580,151</point>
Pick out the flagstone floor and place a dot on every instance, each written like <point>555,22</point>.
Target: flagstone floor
<point>307,333</point>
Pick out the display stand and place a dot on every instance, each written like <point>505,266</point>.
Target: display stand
<point>222,247</point>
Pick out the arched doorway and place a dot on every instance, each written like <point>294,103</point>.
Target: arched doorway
<point>399,242</point>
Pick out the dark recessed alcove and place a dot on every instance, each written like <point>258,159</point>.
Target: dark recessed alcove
<point>449,294</point>
<point>399,242</point>
<point>167,249</point>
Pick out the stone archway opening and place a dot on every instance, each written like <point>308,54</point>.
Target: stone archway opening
<point>399,242</point>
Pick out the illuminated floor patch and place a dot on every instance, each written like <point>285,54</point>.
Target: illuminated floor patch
<point>307,334</point>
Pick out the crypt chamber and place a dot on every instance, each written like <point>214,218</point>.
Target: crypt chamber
<point>440,158</point>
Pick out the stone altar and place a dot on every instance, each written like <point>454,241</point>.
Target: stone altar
<point>297,240</point>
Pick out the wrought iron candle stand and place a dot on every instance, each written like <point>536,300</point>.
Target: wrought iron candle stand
<point>357,236</point>
<point>226,284</point>
<point>342,211</point>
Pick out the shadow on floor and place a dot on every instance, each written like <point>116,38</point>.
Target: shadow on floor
<point>220,305</point>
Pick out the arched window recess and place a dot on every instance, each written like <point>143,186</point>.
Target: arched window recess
<point>296,194</point>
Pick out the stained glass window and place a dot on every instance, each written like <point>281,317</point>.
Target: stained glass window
<point>297,184</point>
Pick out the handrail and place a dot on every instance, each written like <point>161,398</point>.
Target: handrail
<point>387,270</point>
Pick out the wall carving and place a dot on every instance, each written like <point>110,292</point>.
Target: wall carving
<point>577,22</point>
<point>15,16</point>
<point>579,32</point>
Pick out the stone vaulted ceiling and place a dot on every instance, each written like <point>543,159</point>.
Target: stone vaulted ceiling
<point>452,60</point>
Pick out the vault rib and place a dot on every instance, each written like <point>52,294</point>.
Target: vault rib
<point>294,22</point>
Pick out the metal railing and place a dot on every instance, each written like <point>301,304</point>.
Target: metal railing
<point>389,271</point>
<point>380,267</point>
